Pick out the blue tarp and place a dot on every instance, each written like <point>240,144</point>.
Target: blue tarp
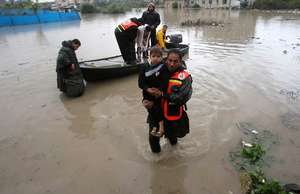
<point>28,17</point>
<point>69,16</point>
<point>5,21</point>
<point>49,17</point>
<point>23,20</point>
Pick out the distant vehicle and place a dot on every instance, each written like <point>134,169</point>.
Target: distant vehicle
<point>236,4</point>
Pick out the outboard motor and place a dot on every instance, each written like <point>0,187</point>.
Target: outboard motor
<point>175,38</point>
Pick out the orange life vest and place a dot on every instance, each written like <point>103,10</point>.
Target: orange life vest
<point>173,112</point>
<point>126,25</point>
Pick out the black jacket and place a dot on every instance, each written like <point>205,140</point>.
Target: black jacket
<point>66,57</point>
<point>151,18</point>
<point>150,77</point>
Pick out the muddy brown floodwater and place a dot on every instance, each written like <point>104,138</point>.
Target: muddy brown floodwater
<point>245,71</point>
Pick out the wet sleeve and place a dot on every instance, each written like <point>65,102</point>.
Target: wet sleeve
<point>182,94</point>
<point>142,79</point>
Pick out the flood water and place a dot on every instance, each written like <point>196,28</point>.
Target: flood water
<point>247,71</point>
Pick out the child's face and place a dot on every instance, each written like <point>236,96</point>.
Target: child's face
<point>155,58</point>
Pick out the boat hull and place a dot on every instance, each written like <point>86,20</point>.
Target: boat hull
<point>114,67</point>
<point>95,74</point>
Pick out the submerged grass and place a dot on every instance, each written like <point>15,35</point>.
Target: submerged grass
<point>253,153</point>
<point>261,185</point>
<point>251,157</point>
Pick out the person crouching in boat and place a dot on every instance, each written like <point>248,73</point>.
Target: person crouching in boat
<point>142,41</point>
<point>161,37</point>
<point>69,76</point>
<point>126,34</point>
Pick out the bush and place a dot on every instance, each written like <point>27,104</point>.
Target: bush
<point>276,4</point>
<point>114,8</point>
<point>244,4</point>
<point>87,8</point>
<point>175,5</point>
<point>261,185</point>
<point>20,5</point>
<point>294,4</point>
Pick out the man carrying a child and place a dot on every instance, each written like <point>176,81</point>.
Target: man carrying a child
<point>166,99</point>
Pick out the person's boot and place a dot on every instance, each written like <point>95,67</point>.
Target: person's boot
<point>154,143</point>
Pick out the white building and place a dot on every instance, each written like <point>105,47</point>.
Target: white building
<point>216,3</point>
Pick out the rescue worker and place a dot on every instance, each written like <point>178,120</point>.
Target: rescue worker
<point>69,76</point>
<point>161,37</point>
<point>125,34</point>
<point>176,91</point>
<point>152,18</point>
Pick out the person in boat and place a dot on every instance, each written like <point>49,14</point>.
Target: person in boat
<point>161,37</point>
<point>176,91</point>
<point>69,76</point>
<point>152,18</point>
<point>126,34</point>
<point>149,81</point>
<point>142,41</point>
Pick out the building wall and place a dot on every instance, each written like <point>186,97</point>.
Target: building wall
<point>63,3</point>
<point>215,3</point>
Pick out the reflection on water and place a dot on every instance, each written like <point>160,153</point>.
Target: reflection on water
<point>81,120</point>
<point>240,73</point>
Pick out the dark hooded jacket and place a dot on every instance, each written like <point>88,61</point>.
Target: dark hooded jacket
<point>151,18</point>
<point>67,57</point>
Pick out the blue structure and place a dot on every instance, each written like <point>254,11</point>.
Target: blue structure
<point>14,17</point>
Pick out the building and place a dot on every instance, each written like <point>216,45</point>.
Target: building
<point>215,3</point>
<point>204,3</point>
<point>66,3</point>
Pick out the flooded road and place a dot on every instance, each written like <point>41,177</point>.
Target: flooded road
<point>246,71</point>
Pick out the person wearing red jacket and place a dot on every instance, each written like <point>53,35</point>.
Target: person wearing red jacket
<point>126,33</point>
<point>176,91</point>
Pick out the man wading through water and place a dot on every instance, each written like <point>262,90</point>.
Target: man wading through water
<point>69,76</point>
<point>176,91</point>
